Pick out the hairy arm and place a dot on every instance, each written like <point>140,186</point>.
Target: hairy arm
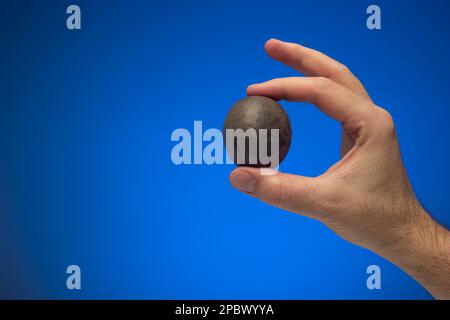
<point>424,253</point>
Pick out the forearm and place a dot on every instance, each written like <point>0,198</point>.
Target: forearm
<point>424,253</point>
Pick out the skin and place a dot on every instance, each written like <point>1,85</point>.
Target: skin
<point>366,197</point>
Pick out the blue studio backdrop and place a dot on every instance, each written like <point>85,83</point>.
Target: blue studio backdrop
<point>86,118</point>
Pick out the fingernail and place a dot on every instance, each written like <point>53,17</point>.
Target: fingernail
<point>244,182</point>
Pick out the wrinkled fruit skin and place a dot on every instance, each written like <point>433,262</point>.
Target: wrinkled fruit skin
<point>258,113</point>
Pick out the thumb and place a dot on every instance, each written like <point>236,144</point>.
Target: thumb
<point>290,192</point>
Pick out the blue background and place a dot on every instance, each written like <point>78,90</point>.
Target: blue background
<point>86,117</point>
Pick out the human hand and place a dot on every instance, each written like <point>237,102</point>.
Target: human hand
<point>366,197</point>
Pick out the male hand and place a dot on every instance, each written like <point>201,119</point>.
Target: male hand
<point>366,197</point>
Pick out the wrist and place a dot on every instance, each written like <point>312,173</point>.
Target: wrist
<point>423,251</point>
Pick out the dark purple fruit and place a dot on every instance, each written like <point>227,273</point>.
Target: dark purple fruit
<point>257,112</point>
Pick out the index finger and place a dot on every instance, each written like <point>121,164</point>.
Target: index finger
<point>331,98</point>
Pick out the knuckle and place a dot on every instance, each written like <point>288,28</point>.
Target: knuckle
<point>342,68</point>
<point>272,190</point>
<point>386,122</point>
